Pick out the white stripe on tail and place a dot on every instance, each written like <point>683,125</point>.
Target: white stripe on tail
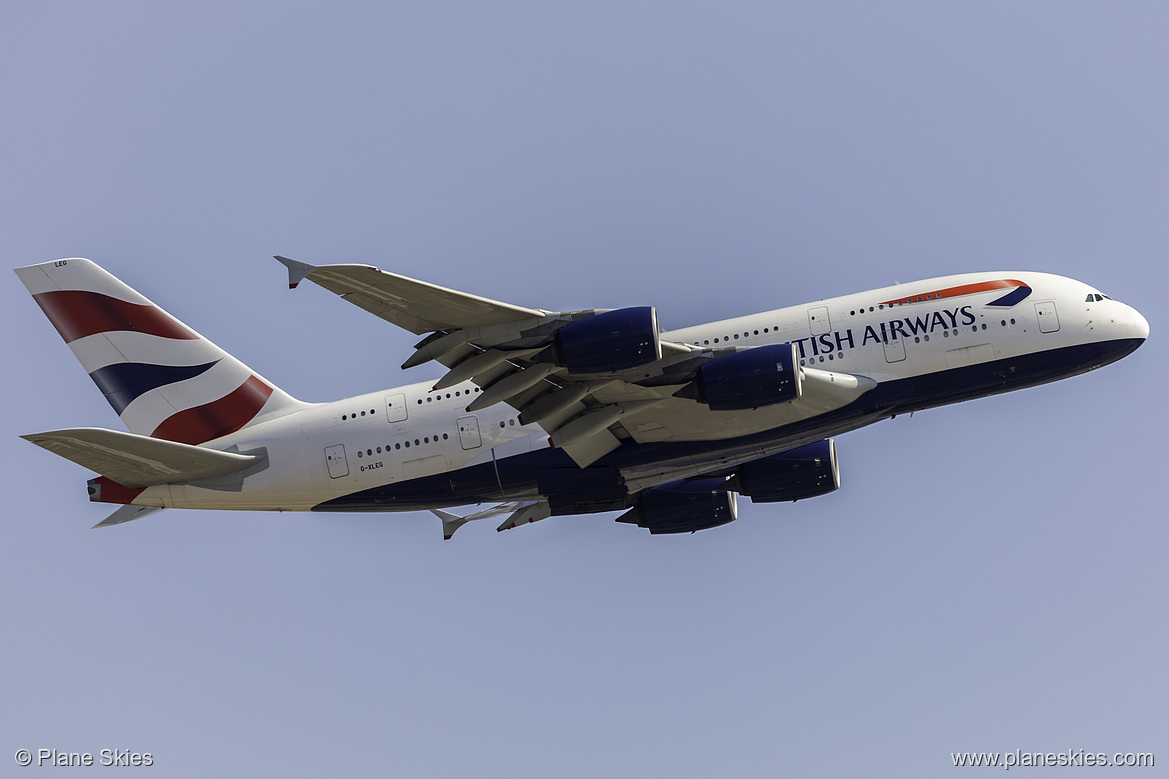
<point>162,378</point>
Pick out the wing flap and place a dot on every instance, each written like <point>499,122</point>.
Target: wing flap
<point>137,460</point>
<point>682,419</point>
<point>586,451</point>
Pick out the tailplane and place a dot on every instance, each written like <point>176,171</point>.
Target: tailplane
<point>162,378</point>
<point>137,460</point>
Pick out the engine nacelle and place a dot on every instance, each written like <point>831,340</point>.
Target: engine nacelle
<point>797,474</point>
<point>613,341</point>
<point>762,376</point>
<point>683,507</point>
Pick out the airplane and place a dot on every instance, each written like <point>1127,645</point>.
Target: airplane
<point>551,413</point>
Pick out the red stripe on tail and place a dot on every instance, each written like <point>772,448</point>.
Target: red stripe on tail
<point>78,313</point>
<point>218,418</point>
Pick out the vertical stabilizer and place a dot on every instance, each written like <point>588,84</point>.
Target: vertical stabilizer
<point>161,377</point>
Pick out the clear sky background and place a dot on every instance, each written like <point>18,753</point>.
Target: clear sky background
<point>990,577</point>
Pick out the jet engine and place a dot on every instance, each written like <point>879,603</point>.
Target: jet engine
<point>609,342</point>
<point>797,474</point>
<point>762,376</point>
<point>683,507</point>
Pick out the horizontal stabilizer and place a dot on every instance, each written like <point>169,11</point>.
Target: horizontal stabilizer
<point>138,460</point>
<point>126,514</point>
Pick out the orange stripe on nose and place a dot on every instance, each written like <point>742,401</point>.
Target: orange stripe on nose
<point>953,292</point>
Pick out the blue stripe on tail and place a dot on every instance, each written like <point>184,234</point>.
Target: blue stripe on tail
<point>122,382</point>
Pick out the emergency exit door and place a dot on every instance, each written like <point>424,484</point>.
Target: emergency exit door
<point>469,432</point>
<point>1048,319</point>
<point>335,459</point>
<point>396,409</point>
<point>894,349</point>
<point>818,320</point>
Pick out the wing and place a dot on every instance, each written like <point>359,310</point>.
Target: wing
<point>519,513</point>
<point>408,303</point>
<point>589,378</point>
<point>137,460</point>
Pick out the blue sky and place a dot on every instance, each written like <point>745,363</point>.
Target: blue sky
<point>990,577</point>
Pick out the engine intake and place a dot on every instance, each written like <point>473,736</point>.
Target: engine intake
<point>762,376</point>
<point>683,507</point>
<point>797,474</point>
<point>613,341</point>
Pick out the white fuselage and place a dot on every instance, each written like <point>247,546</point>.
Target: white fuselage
<point>333,449</point>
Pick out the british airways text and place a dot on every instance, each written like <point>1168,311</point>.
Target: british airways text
<point>928,322</point>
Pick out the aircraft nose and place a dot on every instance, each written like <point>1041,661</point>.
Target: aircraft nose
<point>1135,325</point>
<point>1140,325</point>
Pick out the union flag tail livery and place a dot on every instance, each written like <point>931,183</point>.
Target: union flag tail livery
<point>162,378</point>
<point>548,413</point>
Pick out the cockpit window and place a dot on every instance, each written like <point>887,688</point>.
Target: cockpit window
<point>1095,297</point>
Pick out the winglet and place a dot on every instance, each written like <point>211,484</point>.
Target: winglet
<point>127,513</point>
<point>296,270</point>
<point>450,522</point>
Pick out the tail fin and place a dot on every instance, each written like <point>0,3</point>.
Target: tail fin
<point>162,378</point>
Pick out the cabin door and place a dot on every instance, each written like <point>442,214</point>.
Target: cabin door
<point>469,432</point>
